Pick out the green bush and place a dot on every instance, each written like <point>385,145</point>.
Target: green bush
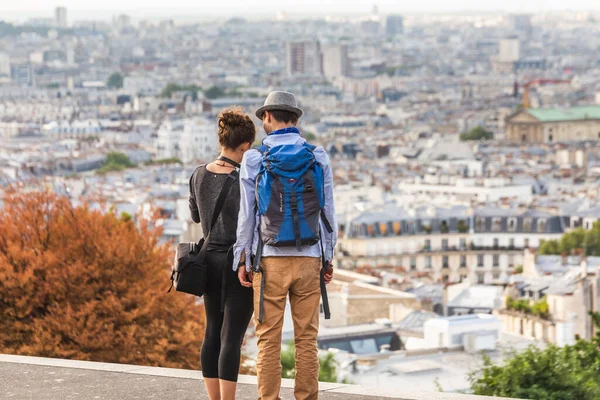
<point>115,162</point>
<point>570,372</point>
<point>477,133</point>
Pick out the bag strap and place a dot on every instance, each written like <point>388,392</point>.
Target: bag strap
<point>231,179</point>
<point>230,161</point>
<point>326,309</point>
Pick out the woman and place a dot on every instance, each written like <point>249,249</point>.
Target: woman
<point>228,304</point>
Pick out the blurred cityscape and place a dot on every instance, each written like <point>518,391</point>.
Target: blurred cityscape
<point>460,144</point>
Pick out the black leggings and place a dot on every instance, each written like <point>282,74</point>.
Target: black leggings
<point>224,335</point>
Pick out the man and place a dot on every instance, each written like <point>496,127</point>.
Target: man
<point>285,267</point>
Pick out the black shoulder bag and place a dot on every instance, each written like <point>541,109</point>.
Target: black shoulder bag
<point>189,271</point>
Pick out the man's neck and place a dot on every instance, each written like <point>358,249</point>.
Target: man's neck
<point>281,126</point>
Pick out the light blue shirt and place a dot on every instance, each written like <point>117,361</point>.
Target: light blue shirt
<point>248,219</point>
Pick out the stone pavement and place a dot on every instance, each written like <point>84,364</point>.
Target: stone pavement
<point>36,378</point>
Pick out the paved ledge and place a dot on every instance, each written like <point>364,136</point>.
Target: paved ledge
<point>35,378</point>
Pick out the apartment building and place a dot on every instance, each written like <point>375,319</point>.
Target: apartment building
<point>445,244</point>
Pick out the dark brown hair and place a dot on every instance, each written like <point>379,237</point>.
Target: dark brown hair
<point>235,128</point>
<point>284,116</point>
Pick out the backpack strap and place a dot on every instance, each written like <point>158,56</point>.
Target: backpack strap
<point>309,146</point>
<point>262,149</point>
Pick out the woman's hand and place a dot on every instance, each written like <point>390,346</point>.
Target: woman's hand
<point>244,276</point>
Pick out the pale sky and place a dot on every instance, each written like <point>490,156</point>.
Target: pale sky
<point>139,8</point>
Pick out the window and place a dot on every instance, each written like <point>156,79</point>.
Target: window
<point>383,228</point>
<point>541,225</point>
<point>463,244</point>
<point>444,227</point>
<point>428,262</point>
<point>496,224</point>
<point>445,262</point>
<point>512,224</point>
<point>370,230</point>
<point>527,225</point>
<point>445,244</point>
<point>410,227</point>
<point>480,224</point>
<point>550,138</point>
<point>413,263</point>
<point>427,246</point>
<point>480,260</point>
<point>496,260</point>
<point>496,243</point>
<point>511,243</point>
<point>463,261</point>
<point>480,279</point>
<point>526,243</point>
<point>397,228</point>
<point>496,276</point>
<point>511,261</point>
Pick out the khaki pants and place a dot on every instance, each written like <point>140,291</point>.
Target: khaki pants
<point>298,276</point>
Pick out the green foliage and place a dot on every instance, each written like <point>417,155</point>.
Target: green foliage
<point>539,308</point>
<point>115,162</point>
<point>288,363</point>
<point>576,239</point>
<point>309,136</point>
<point>477,133</point>
<point>462,226</point>
<point>571,372</point>
<point>173,87</point>
<point>327,366</point>
<point>519,269</point>
<point>115,81</point>
<point>165,161</point>
<point>214,92</point>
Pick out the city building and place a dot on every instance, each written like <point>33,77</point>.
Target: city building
<point>394,25</point>
<point>509,53</point>
<point>444,244</point>
<point>568,285</point>
<point>303,59</point>
<point>190,139</point>
<point>4,65</point>
<point>60,17</point>
<point>336,63</point>
<point>548,125</point>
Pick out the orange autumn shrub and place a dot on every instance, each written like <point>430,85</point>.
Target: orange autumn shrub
<point>86,285</point>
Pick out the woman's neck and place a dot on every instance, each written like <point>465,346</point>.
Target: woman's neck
<point>232,155</point>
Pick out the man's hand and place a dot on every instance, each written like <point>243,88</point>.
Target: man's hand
<point>328,275</point>
<point>244,276</point>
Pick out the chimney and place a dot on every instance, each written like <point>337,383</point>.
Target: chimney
<point>583,263</point>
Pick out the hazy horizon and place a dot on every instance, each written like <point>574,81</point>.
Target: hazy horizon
<point>185,9</point>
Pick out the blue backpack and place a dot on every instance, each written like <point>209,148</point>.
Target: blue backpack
<point>290,196</point>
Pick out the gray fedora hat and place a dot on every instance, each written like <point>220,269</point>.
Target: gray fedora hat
<point>279,100</point>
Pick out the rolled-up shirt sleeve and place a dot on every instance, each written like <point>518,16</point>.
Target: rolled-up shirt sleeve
<point>329,209</point>
<point>193,204</point>
<point>246,227</point>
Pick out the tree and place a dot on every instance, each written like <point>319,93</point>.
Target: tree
<point>214,92</point>
<point>309,136</point>
<point>571,372</point>
<point>477,133</point>
<point>115,161</point>
<point>115,81</point>
<point>87,285</point>
<point>574,240</point>
<point>327,365</point>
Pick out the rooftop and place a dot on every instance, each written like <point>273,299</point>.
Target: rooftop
<point>565,114</point>
<point>33,378</point>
